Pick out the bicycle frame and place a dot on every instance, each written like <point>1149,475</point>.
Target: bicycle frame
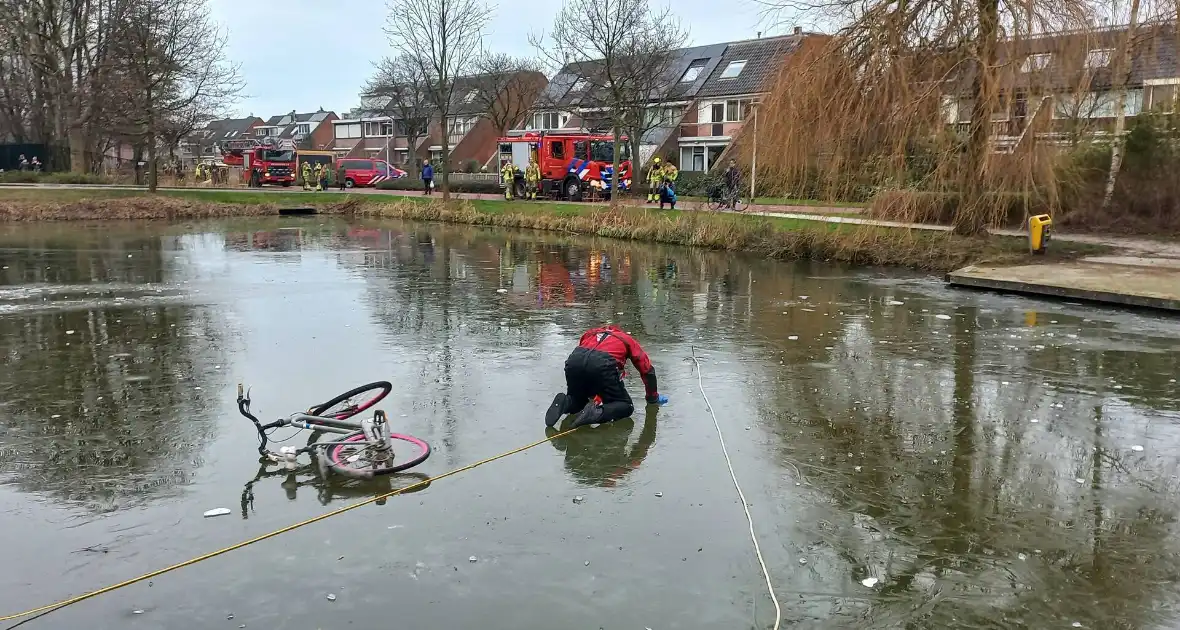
<point>376,429</point>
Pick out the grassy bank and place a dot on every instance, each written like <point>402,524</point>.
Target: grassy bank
<point>773,237</point>
<point>768,236</point>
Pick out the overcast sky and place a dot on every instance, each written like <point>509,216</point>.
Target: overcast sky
<point>307,54</point>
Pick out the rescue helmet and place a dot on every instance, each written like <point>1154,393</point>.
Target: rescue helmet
<point>656,159</point>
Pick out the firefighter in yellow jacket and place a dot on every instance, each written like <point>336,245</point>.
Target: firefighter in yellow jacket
<point>306,173</point>
<point>317,175</point>
<point>508,173</point>
<point>532,179</point>
<point>655,175</point>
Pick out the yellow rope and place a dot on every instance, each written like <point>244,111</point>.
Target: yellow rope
<point>234,547</point>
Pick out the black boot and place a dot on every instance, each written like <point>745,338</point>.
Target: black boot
<point>555,411</point>
<point>591,414</point>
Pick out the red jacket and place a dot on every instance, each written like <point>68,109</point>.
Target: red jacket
<point>621,346</point>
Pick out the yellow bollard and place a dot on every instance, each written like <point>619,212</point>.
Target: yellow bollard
<point>1038,233</point>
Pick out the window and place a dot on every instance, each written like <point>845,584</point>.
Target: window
<point>579,85</point>
<point>548,120</point>
<point>950,109</point>
<point>356,165</point>
<point>735,111</point>
<point>733,69</point>
<point>557,149</point>
<point>436,157</point>
<point>694,70</point>
<point>1037,62</point>
<point>260,132</point>
<point>378,128</point>
<point>1098,105</point>
<point>1099,58</point>
<point>401,156</point>
<point>718,112</point>
<point>462,125</point>
<point>1161,98</point>
<point>303,129</point>
<point>471,96</point>
<point>348,130</point>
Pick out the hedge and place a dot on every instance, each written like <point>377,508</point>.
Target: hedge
<point>30,177</point>
<point>414,183</point>
<point>1009,208</point>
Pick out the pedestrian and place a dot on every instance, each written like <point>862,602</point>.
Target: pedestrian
<point>532,178</point>
<point>733,181</point>
<point>23,162</point>
<point>655,176</point>
<point>427,178</point>
<point>341,175</point>
<point>508,174</point>
<point>35,165</point>
<point>594,375</point>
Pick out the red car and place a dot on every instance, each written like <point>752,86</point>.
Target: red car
<point>363,172</point>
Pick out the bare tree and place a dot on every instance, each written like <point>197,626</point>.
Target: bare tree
<point>505,88</point>
<point>616,46</point>
<point>403,89</point>
<point>64,48</point>
<point>441,40</point>
<point>1122,68</point>
<point>171,57</point>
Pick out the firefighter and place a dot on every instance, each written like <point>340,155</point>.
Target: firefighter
<point>532,178</point>
<point>670,173</point>
<point>325,175</point>
<point>508,173</point>
<point>306,172</point>
<point>655,176</point>
<point>595,370</point>
<point>318,175</point>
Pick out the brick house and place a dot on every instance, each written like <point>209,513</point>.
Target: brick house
<point>708,95</point>
<point>206,143</point>
<point>312,132</point>
<point>372,130</point>
<point>1061,85</point>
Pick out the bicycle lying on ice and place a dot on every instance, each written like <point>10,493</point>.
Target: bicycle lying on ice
<point>363,450</point>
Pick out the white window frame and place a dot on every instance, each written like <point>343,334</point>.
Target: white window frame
<point>303,129</point>
<point>1151,84</point>
<point>730,73</point>
<point>1036,62</point>
<point>471,96</point>
<point>578,86</point>
<point>347,131</point>
<point>743,104</point>
<point>1099,58</point>
<point>694,70</point>
<point>1096,105</point>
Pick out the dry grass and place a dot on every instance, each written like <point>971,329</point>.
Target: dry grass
<point>774,237</point>
<point>766,236</point>
<point>135,207</point>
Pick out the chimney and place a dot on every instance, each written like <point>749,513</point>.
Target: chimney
<point>798,30</point>
<point>759,35</point>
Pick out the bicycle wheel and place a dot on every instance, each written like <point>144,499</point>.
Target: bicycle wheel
<point>740,205</point>
<point>713,203</point>
<point>353,456</point>
<point>354,401</point>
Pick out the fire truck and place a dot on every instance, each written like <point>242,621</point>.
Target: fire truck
<point>571,162</point>
<point>266,160</point>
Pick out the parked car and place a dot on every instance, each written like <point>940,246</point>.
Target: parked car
<point>366,172</point>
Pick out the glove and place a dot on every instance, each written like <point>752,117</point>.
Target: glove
<point>657,400</point>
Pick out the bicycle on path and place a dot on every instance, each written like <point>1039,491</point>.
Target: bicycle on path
<point>720,198</point>
<point>364,449</point>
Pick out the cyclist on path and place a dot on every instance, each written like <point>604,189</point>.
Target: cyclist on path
<point>733,181</point>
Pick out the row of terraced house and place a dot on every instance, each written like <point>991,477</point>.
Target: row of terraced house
<point>711,92</point>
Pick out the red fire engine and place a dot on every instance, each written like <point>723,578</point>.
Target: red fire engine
<point>266,161</point>
<point>570,162</point>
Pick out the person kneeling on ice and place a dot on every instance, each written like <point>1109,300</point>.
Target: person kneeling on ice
<point>596,369</point>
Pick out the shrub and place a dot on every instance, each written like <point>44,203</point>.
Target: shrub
<point>29,177</point>
<point>412,183</point>
<point>912,206</point>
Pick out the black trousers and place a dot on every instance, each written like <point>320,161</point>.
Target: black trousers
<point>590,373</point>
<point>426,181</point>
